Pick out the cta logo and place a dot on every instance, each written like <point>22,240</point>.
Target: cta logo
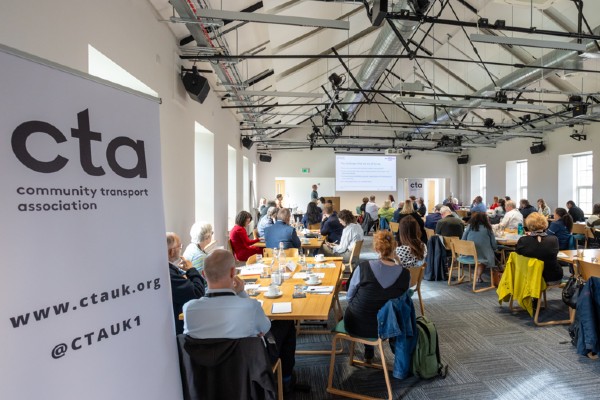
<point>416,185</point>
<point>85,136</point>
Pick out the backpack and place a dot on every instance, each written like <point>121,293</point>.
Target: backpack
<point>426,362</point>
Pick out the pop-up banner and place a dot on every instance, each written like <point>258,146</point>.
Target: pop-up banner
<point>416,187</point>
<point>85,305</point>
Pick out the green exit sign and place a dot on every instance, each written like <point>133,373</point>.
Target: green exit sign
<point>306,170</point>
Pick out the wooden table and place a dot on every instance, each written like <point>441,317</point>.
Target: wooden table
<point>313,306</point>
<point>312,243</point>
<point>588,254</point>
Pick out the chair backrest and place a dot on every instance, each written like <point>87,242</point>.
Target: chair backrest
<point>314,227</point>
<point>394,227</point>
<point>587,269</point>
<point>429,233</point>
<point>579,229</point>
<point>589,233</point>
<point>355,255</point>
<point>291,252</point>
<point>255,234</point>
<point>464,248</point>
<point>416,275</point>
<point>230,248</point>
<point>448,241</point>
<point>251,260</point>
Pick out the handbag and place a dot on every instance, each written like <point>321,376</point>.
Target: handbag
<point>571,291</point>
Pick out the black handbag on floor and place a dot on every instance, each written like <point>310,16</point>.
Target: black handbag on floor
<point>571,291</point>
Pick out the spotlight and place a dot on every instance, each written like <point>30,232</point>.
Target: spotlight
<point>525,118</point>
<point>501,97</point>
<point>488,123</point>
<point>483,22</point>
<point>578,136</point>
<point>335,80</point>
<point>338,130</point>
<point>344,116</point>
<point>408,138</point>
<point>500,24</point>
<point>407,157</point>
<point>247,142</point>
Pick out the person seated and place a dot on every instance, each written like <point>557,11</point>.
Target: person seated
<point>351,233</point>
<point>512,217</point>
<point>409,211</point>
<point>321,203</point>
<point>268,220</point>
<point>226,312</point>
<point>386,212</point>
<point>313,215</point>
<point>240,242</point>
<point>372,208</point>
<point>525,208</point>
<point>501,208</point>
<point>480,232</point>
<point>363,206</point>
<point>543,208</point>
<point>392,201</point>
<point>186,282</point>
<point>495,203</point>
<point>372,284</point>
<point>201,235</point>
<point>449,225</point>
<point>263,212</point>
<point>575,212</point>
<point>411,251</point>
<point>282,232</point>
<point>561,227</point>
<point>478,205</point>
<point>594,220</point>
<point>432,219</point>
<point>538,244</point>
<point>331,226</point>
<point>421,208</point>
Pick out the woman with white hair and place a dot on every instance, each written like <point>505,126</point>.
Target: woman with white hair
<point>200,237</point>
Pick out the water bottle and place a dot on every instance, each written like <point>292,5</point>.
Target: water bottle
<point>520,229</point>
<point>281,260</point>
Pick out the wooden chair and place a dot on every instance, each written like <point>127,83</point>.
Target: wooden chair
<point>255,234</point>
<point>580,232</point>
<point>416,277</point>
<point>541,297</point>
<point>314,227</point>
<point>279,376</point>
<point>290,253</point>
<point>466,248</point>
<point>394,227</point>
<point>230,248</point>
<point>251,260</point>
<point>447,240</point>
<point>341,335</point>
<point>429,233</point>
<point>586,269</point>
<point>354,256</point>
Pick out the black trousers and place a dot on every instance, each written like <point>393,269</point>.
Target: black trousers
<point>285,337</point>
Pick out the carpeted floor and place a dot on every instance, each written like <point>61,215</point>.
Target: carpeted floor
<point>491,353</point>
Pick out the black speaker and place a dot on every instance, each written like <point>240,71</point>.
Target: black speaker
<point>247,142</point>
<point>264,157</point>
<point>464,159</point>
<point>378,12</point>
<point>537,148</point>
<point>196,85</point>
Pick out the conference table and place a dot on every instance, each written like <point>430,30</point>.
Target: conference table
<point>314,306</point>
<point>589,255</point>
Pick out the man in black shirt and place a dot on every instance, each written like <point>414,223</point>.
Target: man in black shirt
<point>575,212</point>
<point>449,225</point>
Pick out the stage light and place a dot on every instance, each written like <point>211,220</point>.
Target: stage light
<point>335,80</point>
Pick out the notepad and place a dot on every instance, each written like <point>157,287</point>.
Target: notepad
<point>249,286</point>
<point>281,308</point>
<point>319,289</point>
<point>254,269</point>
<point>303,275</point>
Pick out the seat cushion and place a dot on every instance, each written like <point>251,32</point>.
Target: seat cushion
<point>466,260</point>
<point>341,328</point>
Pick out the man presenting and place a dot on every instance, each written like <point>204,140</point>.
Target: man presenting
<point>226,312</point>
<point>184,287</point>
<point>314,196</point>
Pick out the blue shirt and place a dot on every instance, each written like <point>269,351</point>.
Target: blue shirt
<point>280,232</point>
<point>478,207</point>
<point>224,317</point>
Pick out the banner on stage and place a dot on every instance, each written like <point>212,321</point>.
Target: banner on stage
<point>415,187</point>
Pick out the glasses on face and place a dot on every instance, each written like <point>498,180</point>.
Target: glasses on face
<point>176,247</point>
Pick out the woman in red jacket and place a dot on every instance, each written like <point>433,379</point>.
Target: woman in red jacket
<point>241,244</point>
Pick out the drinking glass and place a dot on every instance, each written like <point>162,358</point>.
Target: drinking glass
<point>259,258</point>
<point>276,278</point>
<point>580,251</point>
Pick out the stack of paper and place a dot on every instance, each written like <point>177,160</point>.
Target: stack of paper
<point>248,286</point>
<point>319,289</point>
<point>253,269</point>
<point>281,308</point>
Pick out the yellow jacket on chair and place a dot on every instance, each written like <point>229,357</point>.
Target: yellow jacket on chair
<point>522,279</point>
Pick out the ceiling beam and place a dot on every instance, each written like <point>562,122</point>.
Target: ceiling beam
<point>271,19</point>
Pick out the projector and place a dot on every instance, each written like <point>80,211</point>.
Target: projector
<point>393,152</point>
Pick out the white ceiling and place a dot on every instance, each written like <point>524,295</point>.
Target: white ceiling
<point>443,41</point>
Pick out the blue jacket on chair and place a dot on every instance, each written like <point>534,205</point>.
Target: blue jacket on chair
<point>396,320</point>
<point>587,318</point>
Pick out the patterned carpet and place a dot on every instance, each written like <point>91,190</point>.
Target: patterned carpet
<point>491,353</point>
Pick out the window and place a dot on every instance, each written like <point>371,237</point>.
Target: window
<point>582,181</point>
<point>478,181</point>
<point>204,162</point>
<point>231,186</point>
<point>482,185</point>
<point>521,180</point>
<point>246,184</point>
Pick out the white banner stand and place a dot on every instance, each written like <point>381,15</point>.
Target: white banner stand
<point>85,304</point>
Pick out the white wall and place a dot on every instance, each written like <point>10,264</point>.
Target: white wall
<point>129,33</point>
<point>544,180</point>
<point>322,164</point>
